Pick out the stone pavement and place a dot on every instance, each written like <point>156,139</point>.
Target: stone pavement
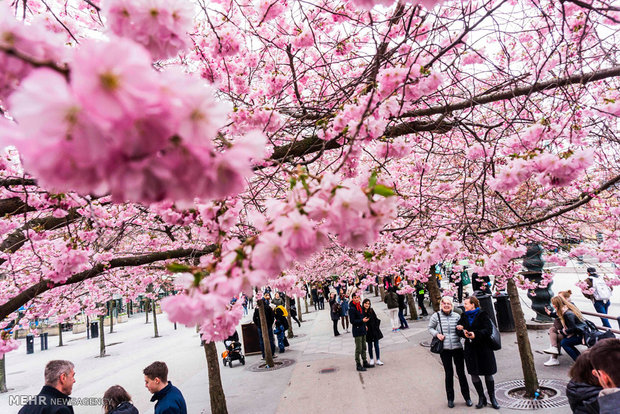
<point>321,379</point>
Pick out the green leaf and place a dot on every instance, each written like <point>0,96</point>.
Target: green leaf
<point>368,255</point>
<point>177,268</point>
<point>373,179</point>
<point>383,190</point>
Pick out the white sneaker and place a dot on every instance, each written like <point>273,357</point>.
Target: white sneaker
<point>372,361</point>
<point>553,361</point>
<point>379,362</point>
<point>551,350</point>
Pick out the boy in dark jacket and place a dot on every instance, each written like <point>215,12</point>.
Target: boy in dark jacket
<point>281,327</point>
<point>358,323</point>
<point>169,398</point>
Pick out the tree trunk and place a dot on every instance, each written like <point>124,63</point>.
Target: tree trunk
<point>155,320</point>
<point>376,290</point>
<point>434,293</point>
<point>413,309</point>
<point>3,374</point>
<point>60,334</point>
<point>216,391</point>
<point>112,305</point>
<point>87,327</point>
<point>288,317</point>
<point>101,337</point>
<point>382,292</point>
<point>525,350</point>
<point>147,309</point>
<point>306,303</point>
<point>265,332</point>
<point>299,312</point>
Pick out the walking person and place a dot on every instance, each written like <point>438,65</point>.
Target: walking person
<point>601,294</point>
<point>54,396</point>
<point>475,326</point>
<point>358,322</point>
<point>281,326</point>
<point>442,325</point>
<point>169,398</point>
<point>402,305</point>
<point>373,332</point>
<point>116,400</point>
<point>334,312</point>
<point>315,296</point>
<point>420,291</point>
<point>583,388</point>
<point>391,300</point>
<point>573,325</point>
<point>277,299</point>
<point>294,312</point>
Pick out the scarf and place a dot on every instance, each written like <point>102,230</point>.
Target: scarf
<point>358,306</point>
<point>471,315</point>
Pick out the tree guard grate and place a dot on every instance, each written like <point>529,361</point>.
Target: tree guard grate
<point>262,367</point>
<point>506,400</point>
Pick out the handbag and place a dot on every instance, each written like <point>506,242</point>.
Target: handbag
<point>495,340</point>
<point>436,343</point>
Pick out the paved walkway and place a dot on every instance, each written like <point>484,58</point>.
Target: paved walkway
<point>411,381</point>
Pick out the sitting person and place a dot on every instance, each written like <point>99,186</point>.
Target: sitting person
<point>573,325</point>
<point>554,333</point>
<point>605,358</point>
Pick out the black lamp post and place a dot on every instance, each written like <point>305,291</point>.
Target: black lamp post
<point>540,297</point>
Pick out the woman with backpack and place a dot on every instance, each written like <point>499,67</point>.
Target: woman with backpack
<point>573,325</point>
<point>335,310</point>
<point>373,333</point>
<point>476,327</point>
<point>391,300</point>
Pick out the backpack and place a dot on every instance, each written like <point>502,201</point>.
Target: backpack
<point>336,308</point>
<point>591,335</point>
<point>600,289</point>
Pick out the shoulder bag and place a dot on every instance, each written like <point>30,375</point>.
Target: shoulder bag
<point>436,343</point>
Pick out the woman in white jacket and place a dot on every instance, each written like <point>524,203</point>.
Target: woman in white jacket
<point>452,348</point>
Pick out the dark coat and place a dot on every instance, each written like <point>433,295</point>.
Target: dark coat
<point>401,302</point>
<point>479,357</point>
<point>582,398</point>
<point>169,400</point>
<point>48,401</point>
<point>269,316</point>
<point>281,319</point>
<point>334,313</point>
<point>372,326</point>
<point>572,324</point>
<point>391,299</point>
<point>610,401</point>
<point>357,321</point>
<point>124,408</point>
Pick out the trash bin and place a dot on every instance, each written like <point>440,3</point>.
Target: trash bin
<point>30,344</point>
<point>250,339</point>
<point>505,321</point>
<point>486,304</point>
<point>44,341</point>
<point>94,329</point>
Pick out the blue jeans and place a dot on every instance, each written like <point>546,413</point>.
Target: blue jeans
<point>376,344</point>
<point>271,341</point>
<point>601,306</point>
<point>568,344</point>
<point>401,318</point>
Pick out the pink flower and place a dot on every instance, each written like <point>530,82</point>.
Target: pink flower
<point>270,254</point>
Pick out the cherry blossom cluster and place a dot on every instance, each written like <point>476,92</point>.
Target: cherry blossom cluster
<point>118,127</point>
<point>161,26</point>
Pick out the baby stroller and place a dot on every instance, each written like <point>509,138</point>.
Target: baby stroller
<point>233,350</point>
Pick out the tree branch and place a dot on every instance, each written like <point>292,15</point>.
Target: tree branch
<point>44,285</point>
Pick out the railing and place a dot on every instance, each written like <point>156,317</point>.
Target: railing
<point>604,316</point>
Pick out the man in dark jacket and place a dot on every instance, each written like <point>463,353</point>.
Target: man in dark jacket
<point>269,318</point>
<point>54,396</point>
<point>358,323</point>
<point>169,398</point>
